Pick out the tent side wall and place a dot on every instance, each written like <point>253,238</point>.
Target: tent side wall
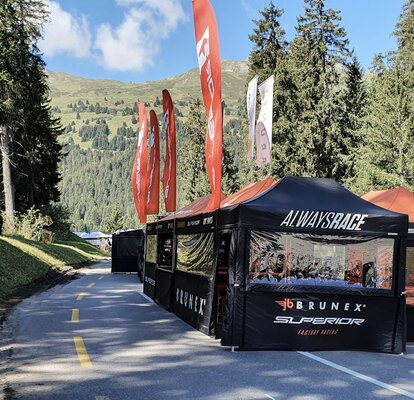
<point>150,260</point>
<point>401,200</point>
<point>194,275</point>
<point>159,262</point>
<point>410,286</point>
<point>233,325</point>
<point>294,317</point>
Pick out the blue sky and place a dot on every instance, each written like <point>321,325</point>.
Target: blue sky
<point>146,40</point>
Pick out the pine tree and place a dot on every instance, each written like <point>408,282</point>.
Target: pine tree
<point>231,158</point>
<point>28,132</point>
<point>193,175</point>
<point>355,99</point>
<point>269,43</point>
<point>116,220</point>
<point>317,54</point>
<point>387,157</point>
<point>404,33</point>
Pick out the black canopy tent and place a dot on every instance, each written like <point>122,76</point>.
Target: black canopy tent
<point>200,269</point>
<point>180,263</point>
<point>313,267</point>
<point>160,258</point>
<point>128,251</point>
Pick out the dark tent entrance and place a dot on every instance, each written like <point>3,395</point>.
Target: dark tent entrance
<point>159,259</point>
<point>128,252</point>
<point>302,265</point>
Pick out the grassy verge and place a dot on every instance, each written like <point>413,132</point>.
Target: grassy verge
<point>26,263</point>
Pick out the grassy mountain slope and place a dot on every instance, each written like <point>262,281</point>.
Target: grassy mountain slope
<point>66,89</point>
<point>94,182</point>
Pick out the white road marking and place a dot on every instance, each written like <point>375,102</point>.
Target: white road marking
<point>146,297</point>
<point>270,397</point>
<point>358,375</point>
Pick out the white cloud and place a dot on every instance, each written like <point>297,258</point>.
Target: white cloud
<point>252,7</point>
<point>130,46</point>
<point>65,34</point>
<point>168,12</point>
<point>135,43</point>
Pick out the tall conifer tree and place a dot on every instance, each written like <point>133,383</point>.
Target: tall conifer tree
<point>354,98</point>
<point>193,174</point>
<point>27,130</point>
<point>317,55</point>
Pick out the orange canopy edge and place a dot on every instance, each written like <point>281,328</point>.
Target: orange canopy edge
<point>248,192</point>
<point>199,206</point>
<point>399,200</point>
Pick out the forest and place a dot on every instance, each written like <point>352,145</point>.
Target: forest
<point>330,119</point>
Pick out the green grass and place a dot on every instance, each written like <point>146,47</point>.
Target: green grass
<point>24,262</point>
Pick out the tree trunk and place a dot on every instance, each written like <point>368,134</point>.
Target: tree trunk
<point>6,166</point>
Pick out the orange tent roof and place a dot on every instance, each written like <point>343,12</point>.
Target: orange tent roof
<point>399,200</point>
<point>248,192</point>
<point>199,205</point>
<point>196,207</point>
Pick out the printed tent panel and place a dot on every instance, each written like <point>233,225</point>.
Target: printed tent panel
<point>194,274</point>
<point>401,200</point>
<point>316,217</point>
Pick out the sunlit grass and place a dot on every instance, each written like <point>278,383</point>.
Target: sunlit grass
<point>23,261</point>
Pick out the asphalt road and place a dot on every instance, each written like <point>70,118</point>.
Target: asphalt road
<point>100,338</point>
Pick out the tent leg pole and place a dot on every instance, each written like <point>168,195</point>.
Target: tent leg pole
<point>232,349</point>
